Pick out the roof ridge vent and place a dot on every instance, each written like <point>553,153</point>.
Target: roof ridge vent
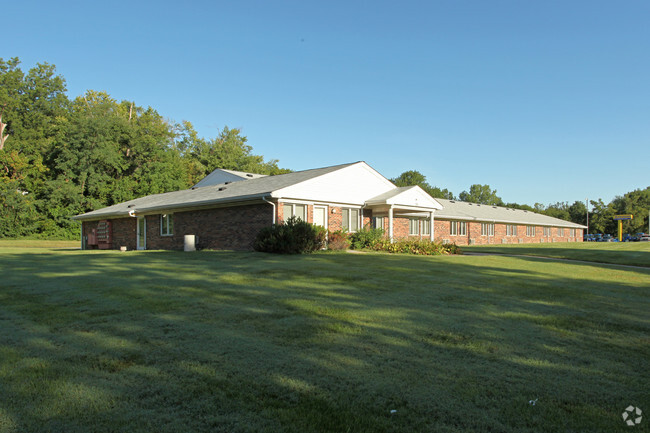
<point>222,188</point>
<point>249,175</point>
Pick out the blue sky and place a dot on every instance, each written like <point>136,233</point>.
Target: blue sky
<point>545,101</point>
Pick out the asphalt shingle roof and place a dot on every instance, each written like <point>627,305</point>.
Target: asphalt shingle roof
<point>460,210</point>
<point>207,195</point>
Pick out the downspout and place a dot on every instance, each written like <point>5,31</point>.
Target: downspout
<point>273,205</point>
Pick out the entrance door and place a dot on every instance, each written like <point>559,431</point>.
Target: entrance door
<point>320,216</point>
<point>142,233</point>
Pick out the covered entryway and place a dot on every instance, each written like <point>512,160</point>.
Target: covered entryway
<point>405,202</point>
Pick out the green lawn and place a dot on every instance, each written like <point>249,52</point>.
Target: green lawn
<point>246,342</point>
<point>622,253</point>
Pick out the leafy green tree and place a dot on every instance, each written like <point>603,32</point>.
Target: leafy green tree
<point>578,213</point>
<point>413,177</point>
<point>636,203</point>
<point>481,194</point>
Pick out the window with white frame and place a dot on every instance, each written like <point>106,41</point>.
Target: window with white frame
<point>350,219</point>
<point>547,231</point>
<point>572,233</point>
<point>511,230</point>
<point>426,227</point>
<point>487,229</point>
<point>560,231</point>
<point>297,210</point>
<point>378,223</point>
<point>530,230</point>
<point>414,226</point>
<point>458,228</point>
<point>166,225</point>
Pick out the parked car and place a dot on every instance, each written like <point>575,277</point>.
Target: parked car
<point>608,238</point>
<point>645,237</point>
<point>628,238</point>
<point>598,237</point>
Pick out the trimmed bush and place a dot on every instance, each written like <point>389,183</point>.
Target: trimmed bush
<point>338,240</point>
<point>366,238</point>
<point>293,236</point>
<point>422,247</point>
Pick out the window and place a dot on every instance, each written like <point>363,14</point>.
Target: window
<point>511,230</point>
<point>426,226</point>
<point>458,228</point>
<point>487,229</point>
<point>166,225</point>
<point>414,226</point>
<point>378,223</point>
<point>560,232</point>
<point>350,219</point>
<point>297,210</point>
<point>572,233</point>
<point>530,230</point>
<point>547,231</point>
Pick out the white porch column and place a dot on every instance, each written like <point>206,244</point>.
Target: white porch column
<point>431,226</point>
<point>390,223</point>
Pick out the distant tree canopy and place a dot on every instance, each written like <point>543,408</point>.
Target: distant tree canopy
<point>481,194</point>
<point>61,157</point>
<point>412,178</point>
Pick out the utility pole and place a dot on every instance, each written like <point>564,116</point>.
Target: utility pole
<point>587,203</point>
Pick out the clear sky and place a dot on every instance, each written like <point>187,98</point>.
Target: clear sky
<point>545,101</point>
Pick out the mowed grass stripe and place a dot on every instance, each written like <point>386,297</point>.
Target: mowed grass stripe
<point>218,341</point>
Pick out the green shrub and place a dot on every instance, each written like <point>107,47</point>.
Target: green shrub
<point>293,236</point>
<point>338,240</point>
<point>366,238</point>
<point>421,247</point>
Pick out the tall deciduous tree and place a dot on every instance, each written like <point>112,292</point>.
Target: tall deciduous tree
<point>413,177</point>
<point>481,194</point>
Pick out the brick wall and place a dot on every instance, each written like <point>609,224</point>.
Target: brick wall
<point>474,237</point>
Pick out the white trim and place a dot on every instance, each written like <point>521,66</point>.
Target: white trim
<point>390,223</point>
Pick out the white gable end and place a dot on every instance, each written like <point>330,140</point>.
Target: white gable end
<point>352,185</point>
<point>415,196</point>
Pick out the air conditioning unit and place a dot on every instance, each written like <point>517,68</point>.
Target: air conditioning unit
<point>445,241</point>
<point>521,241</point>
<point>472,241</point>
<point>504,241</point>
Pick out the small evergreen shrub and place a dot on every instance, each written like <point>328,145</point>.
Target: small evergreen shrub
<point>366,238</point>
<point>293,236</point>
<point>421,247</point>
<point>338,240</point>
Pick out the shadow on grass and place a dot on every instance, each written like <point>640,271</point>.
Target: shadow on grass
<point>212,341</point>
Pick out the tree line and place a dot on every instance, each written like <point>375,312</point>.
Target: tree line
<point>60,157</point>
